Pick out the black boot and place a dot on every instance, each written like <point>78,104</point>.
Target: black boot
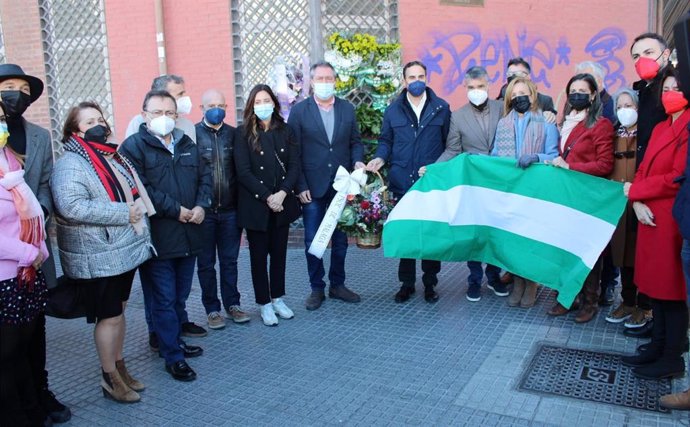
<point>406,290</point>
<point>665,367</point>
<point>655,348</point>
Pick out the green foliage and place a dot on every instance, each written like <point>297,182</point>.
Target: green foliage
<point>370,121</point>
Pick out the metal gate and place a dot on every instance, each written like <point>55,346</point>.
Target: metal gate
<point>266,29</point>
<point>2,46</point>
<point>76,57</point>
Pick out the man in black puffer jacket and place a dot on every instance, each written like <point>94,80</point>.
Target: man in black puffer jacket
<point>216,140</point>
<point>178,181</point>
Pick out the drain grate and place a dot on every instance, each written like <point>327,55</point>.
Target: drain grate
<point>593,376</point>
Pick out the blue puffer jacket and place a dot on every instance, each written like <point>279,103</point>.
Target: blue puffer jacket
<point>408,145</point>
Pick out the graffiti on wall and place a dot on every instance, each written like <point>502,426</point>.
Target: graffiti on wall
<point>450,54</point>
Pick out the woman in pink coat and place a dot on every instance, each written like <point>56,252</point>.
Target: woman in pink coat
<point>23,291</point>
<point>658,267</point>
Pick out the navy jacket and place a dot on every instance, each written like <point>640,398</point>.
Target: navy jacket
<point>320,159</point>
<point>172,181</point>
<point>681,207</point>
<point>408,145</point>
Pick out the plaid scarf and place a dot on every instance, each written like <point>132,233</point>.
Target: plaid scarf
<point>31,226</point>
<point>533,139</point>
<point>95,153</point>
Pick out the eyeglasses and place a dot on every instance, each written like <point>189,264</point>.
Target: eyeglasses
<point>624,154</point>
<point>158,113</point>
<point>516,74</point>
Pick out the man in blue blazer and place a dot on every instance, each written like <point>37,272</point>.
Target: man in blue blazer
<point>326,128</point>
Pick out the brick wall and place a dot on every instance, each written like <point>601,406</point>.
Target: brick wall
<point>21,28</point>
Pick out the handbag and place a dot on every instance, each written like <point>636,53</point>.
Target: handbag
<point>292,208</point>
<point>65,301</point>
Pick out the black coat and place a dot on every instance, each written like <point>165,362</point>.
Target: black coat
<point>216,147</point>
<point>171,182</point>
<point>320,159</point>
<point>650,111</point>
<point>681,207</point>
<point>260,175</point>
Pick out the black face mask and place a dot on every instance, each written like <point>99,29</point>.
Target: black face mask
<point>98,133</point>
<point>521,104</point>
<point>16,102</point>
<point>579,101</point>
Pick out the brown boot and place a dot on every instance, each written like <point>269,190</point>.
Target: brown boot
<point>557,310</point>
<point>135,385</point>
<point>530,295</point>
<point>507,278</point>
<point>590,299</point>
<point>676,401</point>
<point>115,388</point>
<point>518,290</point>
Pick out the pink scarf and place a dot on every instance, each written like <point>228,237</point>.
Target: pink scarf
<point>31,227</point>
<point>571,120</point>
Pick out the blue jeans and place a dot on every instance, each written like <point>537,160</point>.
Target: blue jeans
<point>168,283</point>
<point>219,232</point>
<point>685,258</point>
<point>493,273</point>
<point>313,214</point>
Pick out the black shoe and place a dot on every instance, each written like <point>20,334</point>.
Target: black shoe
<point>651,355</point>
<point>663,368</point>
<point>608,296</point>
<point>190,329</point>
<point>315,299</point>
<point>406,290</point>
<point>499,288</point>
<point>642,332</point>
<point>643,347</point>
<point>342,293</point>
<point>57,412</point>
<point>181,371</point>
<point>153,342</point>
<point>430,294</point>
<point>188,351</point>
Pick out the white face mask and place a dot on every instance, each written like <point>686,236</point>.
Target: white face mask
<point>184,105</point>
<point>627,116</point>
<point>477,96</point>
<point>324,90</point>
<point>162,126</point>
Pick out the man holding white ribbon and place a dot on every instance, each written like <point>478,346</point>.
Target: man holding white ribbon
<point>415,128</point>
<point>326,128</point>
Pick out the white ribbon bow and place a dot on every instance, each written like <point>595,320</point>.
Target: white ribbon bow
<point>349,183</point>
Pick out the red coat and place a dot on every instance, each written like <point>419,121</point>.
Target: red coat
<point>590,150</point>
<point>658,267</point>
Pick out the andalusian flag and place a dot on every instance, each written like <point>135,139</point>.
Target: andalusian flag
<point>544,223</point>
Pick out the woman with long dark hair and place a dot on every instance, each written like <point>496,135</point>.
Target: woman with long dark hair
<point>586,146</point>
<point>101,213</point>
<point>658,266</point>
<point>268,166</point>
<point>23,290</point>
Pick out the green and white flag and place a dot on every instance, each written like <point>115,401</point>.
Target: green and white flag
<point>544,223</point>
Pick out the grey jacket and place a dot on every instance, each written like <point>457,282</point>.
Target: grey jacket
<point>37,169</point>
<point>465,134</point>
<point>95,238</point>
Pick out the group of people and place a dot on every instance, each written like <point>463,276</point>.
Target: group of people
<point>175,195</point>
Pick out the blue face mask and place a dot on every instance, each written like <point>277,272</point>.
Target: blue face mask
<point>416,88</point>
<point>324,90</point>
<point>214,116</point>
<point>263,111</point>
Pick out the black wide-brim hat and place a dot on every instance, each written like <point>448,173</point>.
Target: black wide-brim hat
<point>13,71</point>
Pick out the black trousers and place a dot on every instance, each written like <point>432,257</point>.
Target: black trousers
<point>22,372</point>
<point>670,326</point>
<point>268,281</point>
<point>631,296</point>
<point>407,271</point>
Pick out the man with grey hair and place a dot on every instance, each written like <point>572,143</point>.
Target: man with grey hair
<point>472,130</point>
<point>326,128</point>
<point>174,85</point>
<point>599,73</point>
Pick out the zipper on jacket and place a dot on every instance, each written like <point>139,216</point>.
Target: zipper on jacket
<point>219,170</point>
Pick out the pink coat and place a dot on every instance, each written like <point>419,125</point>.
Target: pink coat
<point>13,252</point>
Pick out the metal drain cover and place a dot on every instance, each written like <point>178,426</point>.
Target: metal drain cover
<point>593,376</point>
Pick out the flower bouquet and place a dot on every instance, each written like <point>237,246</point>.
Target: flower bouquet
<point>364,214</point>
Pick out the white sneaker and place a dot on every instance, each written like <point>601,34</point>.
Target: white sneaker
<point>281,309</point>
<point>268,315</point>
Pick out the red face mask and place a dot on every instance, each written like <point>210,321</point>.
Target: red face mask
<point>647,68</point>
<point>673,101</point>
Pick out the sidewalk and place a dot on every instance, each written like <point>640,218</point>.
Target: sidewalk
<point>373,363</point>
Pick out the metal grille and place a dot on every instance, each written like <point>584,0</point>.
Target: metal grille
<point>593,376</point>
<point>266,29</point>
<point>76,56</point>
<point>3,59</point>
